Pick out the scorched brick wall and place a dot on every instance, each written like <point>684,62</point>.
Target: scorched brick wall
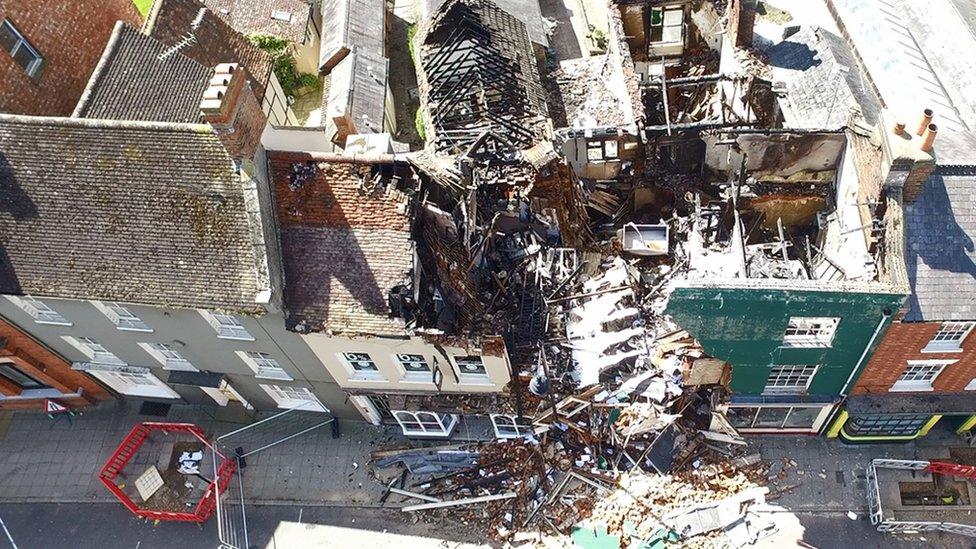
<point>70,35</point>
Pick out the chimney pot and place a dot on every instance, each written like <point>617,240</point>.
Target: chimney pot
<point>929,138</point>
<point>927,115</point>
<point>899,128</point>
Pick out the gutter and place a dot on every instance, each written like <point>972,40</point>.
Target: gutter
<point>857,368</point>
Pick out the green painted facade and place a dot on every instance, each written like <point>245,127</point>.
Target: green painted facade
<point>745,327</point>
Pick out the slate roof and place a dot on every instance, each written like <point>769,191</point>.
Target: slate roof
<point>215,41</point>
<point>135,212</point>
<point>823,80</point>
<point>254,16</point>
<point>940,227</point>
<point>351,24</point>
<point>343,249</point>
<point>133,82</point>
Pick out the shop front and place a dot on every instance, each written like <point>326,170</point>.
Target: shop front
<point>781,414</point>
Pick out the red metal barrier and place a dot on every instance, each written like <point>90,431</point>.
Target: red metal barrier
<point>130,446</point>
<point>954,469</point>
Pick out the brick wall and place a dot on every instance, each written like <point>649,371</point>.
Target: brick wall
<point>904,342</point>
<point>70,35</point>
<point>36,360</point>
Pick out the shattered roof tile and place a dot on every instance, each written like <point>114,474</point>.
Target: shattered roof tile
<point>344,247</point>
<point>125,211</point>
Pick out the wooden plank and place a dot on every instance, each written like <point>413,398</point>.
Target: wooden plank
<point>456,502</point>
<point>410,494</point>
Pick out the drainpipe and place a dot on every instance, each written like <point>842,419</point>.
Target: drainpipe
<point>885,315</point>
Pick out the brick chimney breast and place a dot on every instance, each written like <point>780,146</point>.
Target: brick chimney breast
<point>230,107</point>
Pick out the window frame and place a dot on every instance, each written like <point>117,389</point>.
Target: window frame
<point>41,312</point>
<point>33,70</point>
<point>35,384</point>
<point>917,385</point>
<point>469,378</point>
<point>96,356</point>
<point>113,378</point>
<point>355,374</point>
<point>949,346</point>
<point>414,376</point>
<point>790,389</point>
<point>180,363</point>
<point>287,401</point>
<point>235,331</point>
<point>403,417</point>
<point>121,316</point>
<point>225,394</point>
<point>511,426</point>
<point>806,340</point>
<point>263,366</point>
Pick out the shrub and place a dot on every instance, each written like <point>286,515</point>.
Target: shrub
<point>284,65</point>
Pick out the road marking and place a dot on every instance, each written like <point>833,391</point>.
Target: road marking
<point>5,531</point>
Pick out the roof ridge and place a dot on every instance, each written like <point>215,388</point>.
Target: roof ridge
<point>105,123</point>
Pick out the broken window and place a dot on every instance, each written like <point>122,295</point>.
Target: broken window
<point>807,331</point>
<point>426,424</point>
<point>38,310</point>
<point>263,365</point>
<point>666,24</point>
<point>790,380</point>
<point>598,151</point>
<point>121,317</point>
<point>919,375</point>
<point>227,326</point>
<point>508,427</point>
<point>17,46</point>
<point>949,338</point>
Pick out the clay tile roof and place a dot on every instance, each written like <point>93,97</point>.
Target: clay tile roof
<point>136,212</point>
<point>135,81</point>
<point>254,16</point>
<point>214,40</point>
<point>344,248</point>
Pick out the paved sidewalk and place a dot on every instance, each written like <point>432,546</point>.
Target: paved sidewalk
<point>44,461</point>
<point>828,475</point>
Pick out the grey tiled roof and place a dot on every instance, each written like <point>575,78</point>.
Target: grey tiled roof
<point>822,80</point>
<point>940,229</point>
<point>254,16</point>
<point>135,212</point>
<point>133,82</point>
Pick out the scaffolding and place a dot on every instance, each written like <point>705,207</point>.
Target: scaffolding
<point>891,525</point>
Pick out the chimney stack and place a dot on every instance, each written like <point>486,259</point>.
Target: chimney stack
<point>927,115</point>
<point>741,22</point>
<point>229,105</point>
<point>909,157</point>
<point>929,138</point>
